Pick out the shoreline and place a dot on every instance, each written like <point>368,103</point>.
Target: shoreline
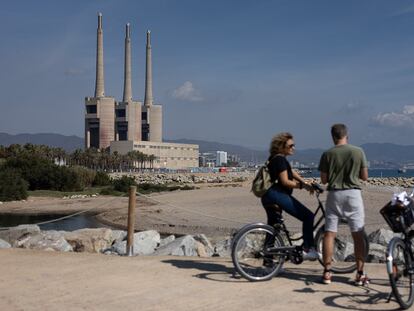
<point>216,210</point>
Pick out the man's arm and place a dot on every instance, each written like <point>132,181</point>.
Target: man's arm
<point>324,177</point>
<point>363,173</point>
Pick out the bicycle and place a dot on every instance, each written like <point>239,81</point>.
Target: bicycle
<point>399,254</point>
<point>260,250</point>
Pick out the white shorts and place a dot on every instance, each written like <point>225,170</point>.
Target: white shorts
<point>346,204</point>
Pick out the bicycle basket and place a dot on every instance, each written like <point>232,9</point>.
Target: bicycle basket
<point>395,213</point>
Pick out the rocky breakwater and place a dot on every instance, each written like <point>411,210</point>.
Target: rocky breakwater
<point>399,182</point>
<point>185,178</point>
<point>113,242</point>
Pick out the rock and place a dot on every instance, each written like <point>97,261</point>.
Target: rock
<point>14,234</point>
<point>381,236</point>
<point>183,246</point>
<point>4,244</point>
<point>167,240</point>
<point>376,253</point>
<point>223,248</point>
<point>118,236</point>
<point>145,243</point>
<point>208,247</point>
<point>46,240</point>
<point>201,250</point>
<point>90,240</point>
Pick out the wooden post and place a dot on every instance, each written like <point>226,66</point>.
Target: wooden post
<point>131,221</point>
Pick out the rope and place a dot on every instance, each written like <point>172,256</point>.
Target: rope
<point>189,210</point>
<point>64,217</point>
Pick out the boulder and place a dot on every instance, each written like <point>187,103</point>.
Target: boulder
<point>223,248</point>
<point>183,246</point>
<point>90,240</point>
<point>381,236</point>
<point>46,240</point>
<point>167,240</point>
<point>376,253</point>
<point>4,244</point>
<point>118,236</point>
<point>207,246</point>
<point>13,235</point>
<point>145,243</point>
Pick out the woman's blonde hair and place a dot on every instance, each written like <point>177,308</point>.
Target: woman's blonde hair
<point>278,143</point>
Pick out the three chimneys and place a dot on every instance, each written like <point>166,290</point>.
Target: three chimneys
<point>107,120</point>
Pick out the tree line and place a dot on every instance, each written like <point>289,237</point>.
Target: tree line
<point>39,167</point>
<point>92,158</point>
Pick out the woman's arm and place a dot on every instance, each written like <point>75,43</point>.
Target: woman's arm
<point>286,182</point>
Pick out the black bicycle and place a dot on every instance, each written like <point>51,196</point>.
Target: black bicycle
<point>259,250</point>
<point>399,255</point>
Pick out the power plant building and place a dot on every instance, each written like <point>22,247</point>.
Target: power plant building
<point>128,124</point>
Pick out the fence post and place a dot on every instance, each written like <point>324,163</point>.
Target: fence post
<point>131,221</point>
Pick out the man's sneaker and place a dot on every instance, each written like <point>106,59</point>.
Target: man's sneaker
<point>361,280</point>
<point>326,277</point>
<point>311,254</point>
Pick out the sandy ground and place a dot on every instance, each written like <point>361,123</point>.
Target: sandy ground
<point>215,211</point>
<point>41,281</point>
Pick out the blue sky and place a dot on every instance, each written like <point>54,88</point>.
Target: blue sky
<point>228,71</point>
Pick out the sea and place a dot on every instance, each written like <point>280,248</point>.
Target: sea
<point>377,172</point>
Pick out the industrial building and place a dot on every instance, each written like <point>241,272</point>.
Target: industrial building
<point>129,124</point>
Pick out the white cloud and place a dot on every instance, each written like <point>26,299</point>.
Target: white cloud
<point>187,92</point>
<point>404,119</point>
<point>403,11</point>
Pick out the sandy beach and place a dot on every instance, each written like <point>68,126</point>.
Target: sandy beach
<point>213,210</point>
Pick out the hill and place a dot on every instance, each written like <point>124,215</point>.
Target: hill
<point>69,143</point>
<point>379,154</point>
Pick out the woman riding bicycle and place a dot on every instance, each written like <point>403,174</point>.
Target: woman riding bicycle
<point>284,181</point>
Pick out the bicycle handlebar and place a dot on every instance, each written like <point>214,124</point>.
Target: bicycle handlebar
<point>317,187</point>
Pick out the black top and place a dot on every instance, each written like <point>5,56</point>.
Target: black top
<point>277,165</point>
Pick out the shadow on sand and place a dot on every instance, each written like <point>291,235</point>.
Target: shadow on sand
<point>354,298</point>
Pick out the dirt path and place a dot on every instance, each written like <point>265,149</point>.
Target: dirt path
<point>42,281</point>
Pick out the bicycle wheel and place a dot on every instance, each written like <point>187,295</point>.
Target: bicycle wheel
<point>398,268</point>
<point>249,252</point>
<point>343,259</point>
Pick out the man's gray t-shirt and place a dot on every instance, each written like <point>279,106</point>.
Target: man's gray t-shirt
<point>343,165</point>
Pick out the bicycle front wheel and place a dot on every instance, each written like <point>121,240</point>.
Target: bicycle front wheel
<point>399,272</point>
<point>343,259</point>
<point>249,252</point>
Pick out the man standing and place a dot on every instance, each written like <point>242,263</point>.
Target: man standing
<point>342,167</point>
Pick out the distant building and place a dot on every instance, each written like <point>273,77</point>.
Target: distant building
<point>221,158</point>
<point>126,124</point>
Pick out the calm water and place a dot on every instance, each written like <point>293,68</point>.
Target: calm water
<point>69,224</point>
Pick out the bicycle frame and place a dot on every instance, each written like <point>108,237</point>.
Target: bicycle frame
<point>291,249</point>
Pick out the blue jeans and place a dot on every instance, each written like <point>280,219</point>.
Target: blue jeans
<point>294,208</point>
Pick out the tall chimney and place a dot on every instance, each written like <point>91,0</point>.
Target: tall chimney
<point>148,101</point>
<point>99,86</point>
<point>127,66</point>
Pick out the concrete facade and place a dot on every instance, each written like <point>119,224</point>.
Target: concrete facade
<point>99,122</point>
<point>168,155</point>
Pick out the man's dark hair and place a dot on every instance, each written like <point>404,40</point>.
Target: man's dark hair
<point>338,131</point>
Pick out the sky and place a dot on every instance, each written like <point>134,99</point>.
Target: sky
<point>234,72</point>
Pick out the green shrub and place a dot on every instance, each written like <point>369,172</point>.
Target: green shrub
<point>85,176</point>
<point>101,179</point>
<point>123,184</point>
<point>12,185</point>
<point>111,191</point>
